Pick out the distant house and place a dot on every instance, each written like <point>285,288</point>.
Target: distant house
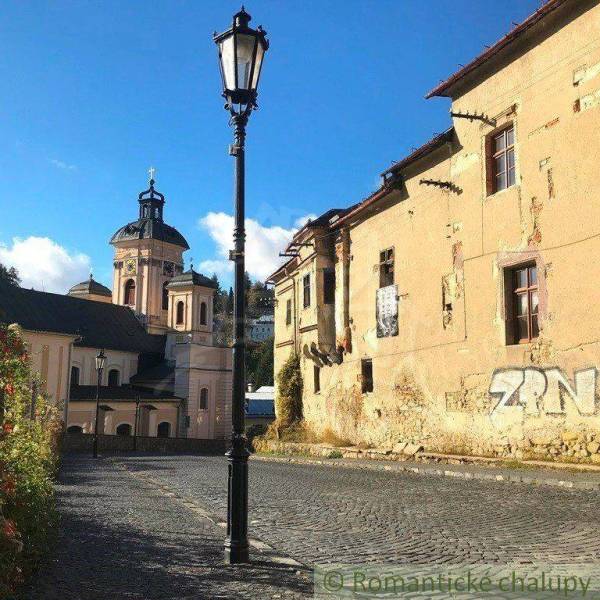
<point>261,329</point>
<point>260,405</point>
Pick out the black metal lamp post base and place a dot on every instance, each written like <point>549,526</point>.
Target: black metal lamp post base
<point>236,544</point>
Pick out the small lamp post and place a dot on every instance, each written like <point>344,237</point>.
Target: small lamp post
<point>100,363</point>
<point>241,53</point>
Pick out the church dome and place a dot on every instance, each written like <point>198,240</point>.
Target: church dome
<point>91,286</point>
<point>150,224</point>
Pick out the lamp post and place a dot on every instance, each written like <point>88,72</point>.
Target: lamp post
<point>100,362</point>
<point>241,52</point>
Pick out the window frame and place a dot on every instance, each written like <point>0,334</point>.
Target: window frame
<point>108,377</point>
<point>203,399</point>
<point>165,296</point>
<point>492,155</point>
<point>203,313</point>
<point>180,319</point>
<point>129,290</point>
<point>329,286</point>
<point>288,311</point>
<point>306,291</point>
<point>513,291</point>
<point>386,267</point>
<point>367,383</point>
<point>72,379</point>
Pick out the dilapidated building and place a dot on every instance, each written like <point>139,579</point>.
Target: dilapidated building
<point>456,307</point>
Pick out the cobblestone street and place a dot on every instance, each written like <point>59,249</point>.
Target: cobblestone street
<point>135,527</point>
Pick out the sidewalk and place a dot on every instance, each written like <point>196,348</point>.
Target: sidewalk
<point>530,473</point>
<point>122,538</point>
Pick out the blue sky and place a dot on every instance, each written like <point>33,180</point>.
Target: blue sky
<point>93,93</point>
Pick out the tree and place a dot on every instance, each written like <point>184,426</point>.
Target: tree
<point>9,275</point>
<point>259,363</point>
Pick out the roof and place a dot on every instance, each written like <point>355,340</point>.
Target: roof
<point>437,141</point>
<point>96,324</point>
<point>159,372</point>
<point>91,286</point>
<point>444,88</point>
<point>191,277</point>
<point>149,228</point>
<point>261,402</point>
<point>119,392</point>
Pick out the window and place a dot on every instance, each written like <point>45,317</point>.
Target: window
<point>75,375</point>
<point>306,290</point>
<point>130,293</point>
<point>366,367</point>
<point>179,316</point>
<point>124,429</point>
<point>317,379</point>
<point>165,296</point>
<point>328,286</point>
<point>203,399</point>
<point>501,160</point>
<point>163,430</point>
<point>288,312</point>
<point>74,429</point>
<point>203,313</point>
<point>386,267</point>
<point>522,304</point>
<point>113,377</point>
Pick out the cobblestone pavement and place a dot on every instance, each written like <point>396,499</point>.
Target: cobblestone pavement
<point>121,537</point>
<point>321,515</point>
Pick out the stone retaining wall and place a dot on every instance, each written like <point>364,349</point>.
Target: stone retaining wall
<point>83,442</point>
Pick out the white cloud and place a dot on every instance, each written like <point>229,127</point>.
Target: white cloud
<point>45,265</point>
<point>263,244</point>
<point>302,221</point>
<point>59,164</point>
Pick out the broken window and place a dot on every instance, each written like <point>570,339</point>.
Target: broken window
<point>501,160</point>
<point>522,304</point>
<point>328,286</point>
<point>366,367</point>
<point>306,290</point>
<point>288,312</point>
<point>386,267</point>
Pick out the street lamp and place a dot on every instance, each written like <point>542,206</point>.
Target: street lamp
<point>241,52</point>
<point>100,362</point>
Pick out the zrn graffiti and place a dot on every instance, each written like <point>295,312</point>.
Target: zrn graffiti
<point>543,390</point>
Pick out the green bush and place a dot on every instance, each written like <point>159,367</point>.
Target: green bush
<point>288,403</point>
<point>28,460</point>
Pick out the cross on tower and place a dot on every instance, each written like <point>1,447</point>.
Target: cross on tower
<point>151,170</point>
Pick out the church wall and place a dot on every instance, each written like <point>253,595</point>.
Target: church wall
<point>85,358</point>
<point>83,415</point>
<point>198,367</point>
<point>49,356</point>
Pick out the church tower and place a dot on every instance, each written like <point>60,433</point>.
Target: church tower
<point>148,254</point>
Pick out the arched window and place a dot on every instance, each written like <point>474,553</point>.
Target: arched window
<point>130,292</point>
<point>179,316</point>
<point>165,296</point>
<point>74,375</point>
<point>114,377</point>
<point>203,313</point>
<point>203,399</point>
<point>163,430</point>
<point>124,429</point>
<point>75,429</point>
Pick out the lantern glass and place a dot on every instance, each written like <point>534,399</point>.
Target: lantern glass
<point>100,361</point>
<point>227,52</point>
<point>245,54</point>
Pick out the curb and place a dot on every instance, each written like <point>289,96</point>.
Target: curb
<point>466,472</point>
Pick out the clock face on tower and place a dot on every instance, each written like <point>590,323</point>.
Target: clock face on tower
<point>130,266</point>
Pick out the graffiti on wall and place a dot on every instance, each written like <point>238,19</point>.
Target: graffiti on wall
<point>543,391</point>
